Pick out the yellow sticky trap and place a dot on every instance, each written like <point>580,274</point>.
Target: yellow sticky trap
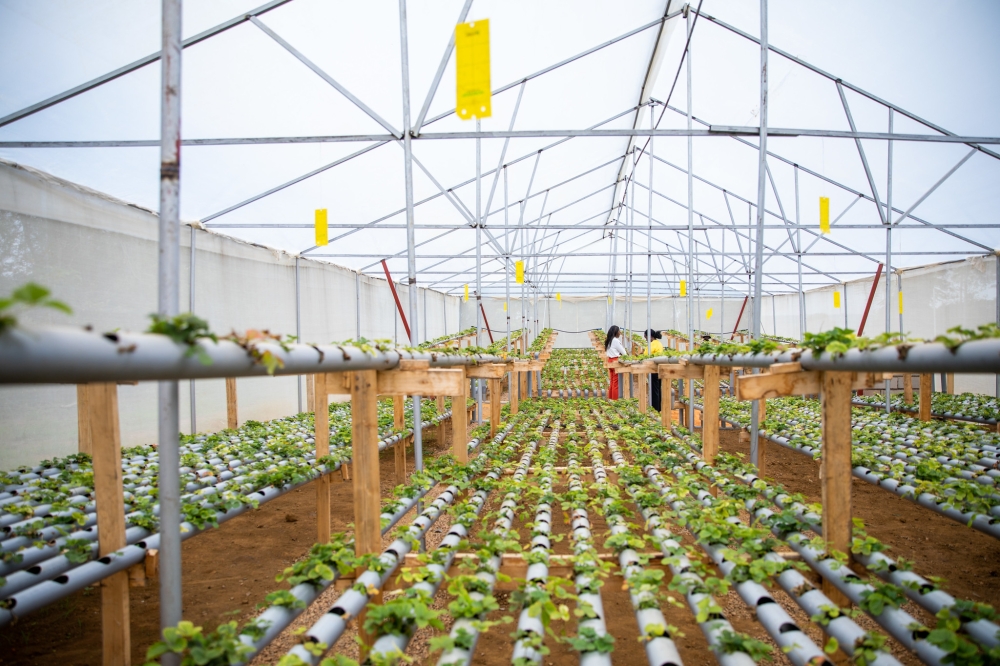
<point>609,300</point>
<point>900,302</point>
<point>505,306</point>
<point>473,98</point>
<point>519,272</point>
<point>466,298</point>
<point>708,315</point>
<point>824,214</point>
<point>836,299</point>
<point>558,297</point>
<point>322,237</point>
<point>684,288</point>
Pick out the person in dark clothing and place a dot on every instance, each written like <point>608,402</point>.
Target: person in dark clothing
<point>655,349</point>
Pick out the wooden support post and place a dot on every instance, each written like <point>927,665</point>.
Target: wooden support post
<point>364,445</point>
<point>232,419</point>
<point>513,384</point>
<point>321,433</point>
<point>710,415</point>
<point>442,423</point>
<point>399,422</point>
<point>523,383</point>
<point>643,389</point>
<point>310,392</point>
<point>494,386</point>
<point>762,410</point>
<point>925,396</point>
<point>950,389</point>
<point>367,501</point>
<point>83,439</point>
<point>908,388</point>
<point>666,403</point>
<point>102,408</point>
<point>835,468</point>
<point>460,426</point>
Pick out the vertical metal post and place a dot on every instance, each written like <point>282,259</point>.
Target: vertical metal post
<point>298,327</point>
<point>168,305</point>
<point>996,298</point>
<point>798,252</point>
<point>888,262</point>
<point>479,263</point>
<point>759,248</point>
<point>845,305</point>
<point>506,250</point>
<point>690,211</point>
<point>722,289</point>
<point>194,421</point>
<point>357,303</point>
<point>411,258</point>
<point>648,379</point>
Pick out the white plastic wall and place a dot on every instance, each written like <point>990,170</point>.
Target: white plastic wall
<point>99,255</point>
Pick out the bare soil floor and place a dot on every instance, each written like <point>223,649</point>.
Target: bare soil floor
<point>228,571</point>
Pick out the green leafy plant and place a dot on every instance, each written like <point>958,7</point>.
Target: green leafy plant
<point>26,297</point>
<point>184,329</point>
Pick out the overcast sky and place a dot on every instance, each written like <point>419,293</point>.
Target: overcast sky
<point>937,60</point>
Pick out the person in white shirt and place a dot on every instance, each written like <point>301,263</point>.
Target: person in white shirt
<point>614,348</point>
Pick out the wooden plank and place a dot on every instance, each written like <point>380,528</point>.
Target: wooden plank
<point>460,424</point>
<point>232,419</point>
<point>512,391</point>
<point>950,389</point>
<point>926,380</point>
<point>755,387</point>
<point>437,381</point>
<point>84,442</point>
<point>310,392</point>
<point>364,445</point>
<point>495,406</point>
<point>677,371</point>
<point>643,391</point>
<point>321,430</point>
<point>442,424</point>
<point>337,383</point>
<point>414,364</point>
<point>908,389</point>
<point>486,371</point>
<point>779,368</point>
<point>666,402</point>
<point>399,422</point>
<point>835,468</point>
<point>710,415</point>
<point>102,407</point>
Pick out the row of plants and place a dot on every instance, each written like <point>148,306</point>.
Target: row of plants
<point>963,406</point>
<point>955,463</point>
<point>574,368</point>
<point>538,344</point>
<point>447,337</point>
<point>964,633</point>
<point>307,578</point>
<point>48,511</point>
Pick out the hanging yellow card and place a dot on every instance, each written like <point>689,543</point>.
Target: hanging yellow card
<point>322,237</point>
<point>836,299</point>
<point>901,302</point>
<point>519,272</point>
<point>466,292</point>
<point>824,214</point>
<point>472,70</point>
<point>708,315</point>
<point>684,288</point>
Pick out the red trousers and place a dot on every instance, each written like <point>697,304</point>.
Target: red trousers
<point>613,388</point>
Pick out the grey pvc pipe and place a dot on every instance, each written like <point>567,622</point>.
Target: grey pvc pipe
<point>975,356</point>
<point>75,356</point>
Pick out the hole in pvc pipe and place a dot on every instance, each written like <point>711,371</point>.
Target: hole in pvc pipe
<point>337,610</point>
<point>35,570</point>
<point>62,580</point>
<point>765,600</point>
<point>786,627</point>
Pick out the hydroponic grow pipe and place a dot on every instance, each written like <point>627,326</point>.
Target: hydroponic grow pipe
<point>70,355</point>
<point>331,625</point>
<point>975,356</point>
<point>806,595</point>
<point>87,574</point>
<point>458,656</point>
<point>46,562</point>
<point>583,544</point>
<point>538,572</point>
<point>88,531</point>
<point>680,568</point>
<point>913,585</point>
<point>937,415</point>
